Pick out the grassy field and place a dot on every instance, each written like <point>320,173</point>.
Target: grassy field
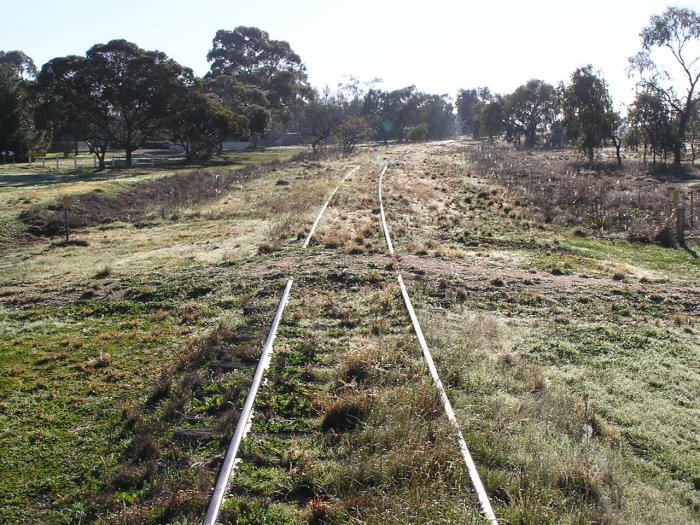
<point>570,356</point>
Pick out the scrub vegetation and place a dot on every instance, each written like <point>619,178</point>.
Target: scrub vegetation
<point>568,351</point>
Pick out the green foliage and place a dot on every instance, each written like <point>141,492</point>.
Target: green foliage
<point>530,111</point>
<point>243,99</point>
<point>10,109</point>
<point>467,99</point>
<point>650,118</point>
<point>118,93</point>
<point>394,113</point>
<point>132,90</point>
<point>22,64</point>
<point>351,132</point>
<point>490,117</point>
<point>64,109</point>
<point>674,78</point>
<point>418,133</point>
<point>251,58</point>
<point>199,123</point>
<point>589,118</point>
<point>321,117</point>
<point>17,129</point>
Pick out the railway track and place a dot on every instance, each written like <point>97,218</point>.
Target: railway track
<point>484,501</point>
<point>245,419</point>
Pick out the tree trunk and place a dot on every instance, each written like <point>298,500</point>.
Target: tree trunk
<point>530,139</point>
<point>677,153</point>
<point>682,126</point>
<point>617,142</point>
<point>128,156</point>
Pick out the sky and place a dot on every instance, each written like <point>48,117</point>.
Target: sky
<point>439,46</point>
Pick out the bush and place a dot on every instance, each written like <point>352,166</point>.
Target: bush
<point>418,133</point>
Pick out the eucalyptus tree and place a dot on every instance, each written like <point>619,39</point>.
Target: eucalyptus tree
<point>468,103</point>
<point>321,117</point>
<point>65,109</point>
<point>10,109</point>
<point>250,57</point>
<point>242,99</point>
<point>131,90</point>
<point>199,123</point>
<point>490,117</point>
<point>669,66</point>
<point>21,63</point>
<point>529,111</point>
<point>18,132</point>
<point>437,112</point>
<point>650,117</point>
<point>589,118</point>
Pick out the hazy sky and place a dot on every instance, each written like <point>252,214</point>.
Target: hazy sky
<point>439,45</point>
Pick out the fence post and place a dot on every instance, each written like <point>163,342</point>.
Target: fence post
<point>75,162</point>
<point>114,163</point>
<point>692,212</point>
<point>43,162</point>
<point>66,204</point>
<point>57,166</point>
<point>94,162</point>
<point>680,225</point>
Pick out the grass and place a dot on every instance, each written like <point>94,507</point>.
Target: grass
<point>569,359</point>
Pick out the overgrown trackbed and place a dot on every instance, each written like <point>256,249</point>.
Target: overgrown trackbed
<point>568,360</point>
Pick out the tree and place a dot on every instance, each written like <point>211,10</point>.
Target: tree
<point>10,110</point>
<point>242,99</point>
<point>20,62</point>
<point>530,110</point>
<point>321,118</point>
<point>674,34</point>
<point>694,133</point>
<point>650,116</point>
<point>132,90</point>
<point>589,118</point>
<point>397,112</point>
<point>352,131</point>
<point>64,108</point>
<point>199,123</point>
<point>418,133</point>
<point>436,112</point>
<point>393,114</point>
<point>490,116</point>
<point>248,55</point>
<point>469,102</point>
<point>336,114</point>
<point>17,101</point>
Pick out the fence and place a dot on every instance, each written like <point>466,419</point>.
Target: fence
<point>60,162</point>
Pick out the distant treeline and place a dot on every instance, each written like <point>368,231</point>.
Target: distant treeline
<point>663,120</point>
<point>119,95</point>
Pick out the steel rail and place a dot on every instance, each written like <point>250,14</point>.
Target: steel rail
<point>484,501</point>
<point>381,211</point>
<point>320,214</point>
<point>245,419</point>
<point>471,466</point>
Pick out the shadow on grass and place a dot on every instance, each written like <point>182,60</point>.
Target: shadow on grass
<point>21,180</point>
<point>672,173</point>
<point>689,250</point>
<point>243,159</point>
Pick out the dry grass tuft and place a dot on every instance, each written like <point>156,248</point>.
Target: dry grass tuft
<point>346,412</point>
